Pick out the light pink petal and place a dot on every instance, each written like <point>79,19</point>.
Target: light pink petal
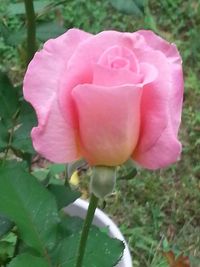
<point>115,54</point>
<point>155,42</point>
<point>109,121</point>
<point>157,123</point>
<point>48,66</point>
<point>53,138</point>
<point>117,66</point>
<point>164,152</point>
<point>148,73</point>
<point>113,77</point>
<point>81,64</point>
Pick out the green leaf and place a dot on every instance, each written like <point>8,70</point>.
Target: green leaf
<point>131,7</point>
<point>49,30</point>
<point>45,31</point>
<point>28,260</point>
<point>43,175</point>
<point>11,164</point>
<point>19,8</point>
<point>16,9</point>
<point>21,138</point>
<point>56,169</point>
<point>7,248</point>
<point>150,21</point>
<point>127,171</point>
<point>15,38</point>
<point>4,136</point>
<point>5,225</point>
<point>3,30</point>
<point>64,195</point>
<point>142,4</point>
<point>165,244</point>
<point>8,100</point>
<point>33,209</point>
<point>101,249</point>
<point>70,225</point>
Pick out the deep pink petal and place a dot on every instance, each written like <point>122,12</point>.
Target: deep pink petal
<point>109,122</point>
<point>53,138</point>
<point>157,122</point>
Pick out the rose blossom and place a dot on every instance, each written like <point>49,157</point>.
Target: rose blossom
<point>107,97</point>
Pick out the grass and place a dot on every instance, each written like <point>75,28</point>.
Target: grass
<point>161,209</point>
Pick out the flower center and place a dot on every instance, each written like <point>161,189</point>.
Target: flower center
<point>119,63</point>
<point>119,57</point>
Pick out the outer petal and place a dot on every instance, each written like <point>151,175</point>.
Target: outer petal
<point>109,121</point>
<point>164,152</point>
<point>155,42</point>
<point>53,138</point>
<point>158,145</point>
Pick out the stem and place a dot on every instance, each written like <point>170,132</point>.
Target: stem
<point>66,177</point>
<point>31,29</point>
<point>86,228</point>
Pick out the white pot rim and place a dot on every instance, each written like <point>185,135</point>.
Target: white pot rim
<point>101,219</point>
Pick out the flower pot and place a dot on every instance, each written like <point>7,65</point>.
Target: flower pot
<point>79,208</point>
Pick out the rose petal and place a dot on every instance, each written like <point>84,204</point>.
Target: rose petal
<point>113,52</point>
<point>164,152</point>
<point>148,73</point>
<point>81,64</point>
<point>109,121</point>
<point>171,52</point>
<point>156,119</point>
<point>155,42</point>
<point>53,138</point>
<point>113,77</point>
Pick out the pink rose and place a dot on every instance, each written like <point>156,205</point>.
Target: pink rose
<point>107,97</point>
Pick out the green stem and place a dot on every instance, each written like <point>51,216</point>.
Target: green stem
<point>31,29</point>
<point>66,177</point>
<point>86,228</point>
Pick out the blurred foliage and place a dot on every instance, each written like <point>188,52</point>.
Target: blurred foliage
<point>155,210</point>
<point>130,7</point>
<point>43,233</point>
